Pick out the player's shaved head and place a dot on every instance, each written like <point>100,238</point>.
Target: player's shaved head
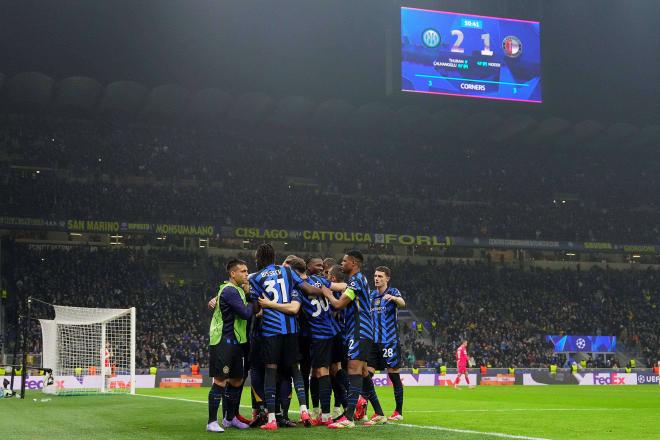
<point>352,262</point>
<point>357,256</point>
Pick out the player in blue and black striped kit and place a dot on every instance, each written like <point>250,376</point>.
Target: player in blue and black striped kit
<point>338,374</point>
<point>358,337</point>
<point>326,343</point>
<point>275,287</point>
<point>386,351</point>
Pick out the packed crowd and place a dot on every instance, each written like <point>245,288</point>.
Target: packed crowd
<point>172,329</point>
<point>507,312</point>
<point>504,312</point>
<point>137,172</point>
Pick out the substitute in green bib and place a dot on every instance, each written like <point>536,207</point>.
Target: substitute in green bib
<point>226,361</point>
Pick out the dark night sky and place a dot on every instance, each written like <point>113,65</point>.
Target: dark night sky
<point>600,56</point>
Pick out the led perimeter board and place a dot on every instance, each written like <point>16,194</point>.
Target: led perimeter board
<point>589,344</point>
<point>475,56</point>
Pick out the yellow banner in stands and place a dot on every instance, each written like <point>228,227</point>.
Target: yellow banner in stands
<point>338,236</point>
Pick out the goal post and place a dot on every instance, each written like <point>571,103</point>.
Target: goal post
<point>90,350</point>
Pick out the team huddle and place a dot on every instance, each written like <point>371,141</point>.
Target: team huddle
<point>311,327</point>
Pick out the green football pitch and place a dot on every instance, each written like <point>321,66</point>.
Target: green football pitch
<point>551,412</point>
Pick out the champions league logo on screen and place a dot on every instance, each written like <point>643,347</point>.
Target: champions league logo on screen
<point>581,343</point>
<point>512,46</point>
<point>431,38</point>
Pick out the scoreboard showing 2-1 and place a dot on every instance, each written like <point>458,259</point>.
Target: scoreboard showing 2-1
<point>475,56</point>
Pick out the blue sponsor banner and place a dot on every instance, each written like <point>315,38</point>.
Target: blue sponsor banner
<point>588,344</point>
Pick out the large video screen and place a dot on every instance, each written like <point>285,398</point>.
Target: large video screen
<point>589,344</point>
<point>475,56</point>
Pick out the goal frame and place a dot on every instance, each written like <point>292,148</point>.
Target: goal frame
<point>51,331</point>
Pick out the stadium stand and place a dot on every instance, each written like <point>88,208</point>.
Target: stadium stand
<point>141,172</point>
<point>506,311</point>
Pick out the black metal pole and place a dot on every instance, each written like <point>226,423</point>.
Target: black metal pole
<point>14,360</point>
<point>25,346</point>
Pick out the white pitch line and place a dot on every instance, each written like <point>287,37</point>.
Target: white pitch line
<point>171,398</point>
<point>434,428</point>
<point>432,411</point>
<point>517,409</point>
<point>470,431</point>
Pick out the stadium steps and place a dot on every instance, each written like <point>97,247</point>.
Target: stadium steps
<point>624,355</point>
<point>408,315</point>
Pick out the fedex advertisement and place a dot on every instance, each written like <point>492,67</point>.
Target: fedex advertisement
<point>423,380</point>
<point>613,378</point>
<point>409,380</point>
<point>598,378</point>
<point>35,383</point>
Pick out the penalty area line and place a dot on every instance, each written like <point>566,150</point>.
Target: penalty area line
<point>470,431</point>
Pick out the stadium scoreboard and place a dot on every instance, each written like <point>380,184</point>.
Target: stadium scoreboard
<point>476,56</point>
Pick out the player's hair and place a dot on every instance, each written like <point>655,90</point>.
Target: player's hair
<point>231,264</point>
<point>335,271</point>
<point>265,255</point>
<point>386,270</point>
<point>357,256</point>
<point>328,263</point>
<point>290,258</point>
<point>313,257</point>
<point>297,263</point>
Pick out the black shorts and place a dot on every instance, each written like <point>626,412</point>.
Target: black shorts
<point>321,352</point>
<point>385,356</point>
<point>226,361</point>
<point>305,345</point>
<point>254,356</point>
<point>281,350</point>
<point>338,350</point>
<point>358,350</point>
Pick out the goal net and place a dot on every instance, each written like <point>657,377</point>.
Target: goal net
<point>89,350</point>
